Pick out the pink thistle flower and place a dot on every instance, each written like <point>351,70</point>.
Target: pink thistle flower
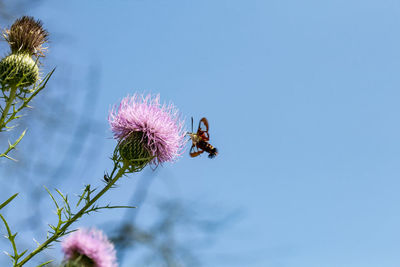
<point>92,244</point>
<point>160,127</point>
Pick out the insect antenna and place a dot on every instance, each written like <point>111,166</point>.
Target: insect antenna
<point>192,124</point>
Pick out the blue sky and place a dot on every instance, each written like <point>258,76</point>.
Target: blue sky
<point>302,98</point>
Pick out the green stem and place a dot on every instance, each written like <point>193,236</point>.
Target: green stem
<point>12,146</point>
<point>9,102</point>
<point>10,237</point>
<point>59,233</point>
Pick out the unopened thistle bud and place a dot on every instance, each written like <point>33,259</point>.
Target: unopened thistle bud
<point>147,132</point>
<point>18,70</point>
<point>26,38</point>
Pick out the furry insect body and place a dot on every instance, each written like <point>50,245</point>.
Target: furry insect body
<point>207,147</point>
<point>200,141</point>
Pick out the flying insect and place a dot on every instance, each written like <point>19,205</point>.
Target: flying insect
<point>200,141</point>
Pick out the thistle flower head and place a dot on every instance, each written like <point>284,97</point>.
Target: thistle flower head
<point>26,35</point>
<point>144,127</point>
<point>90,247</point>
<point>26,38</point>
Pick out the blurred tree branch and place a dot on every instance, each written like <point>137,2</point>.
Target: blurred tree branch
<point>163,238</point>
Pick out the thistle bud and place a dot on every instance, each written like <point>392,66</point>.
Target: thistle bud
<point>18,69</point>
<point>79,261</point>
<point>132,149</point>
<point>26,38</point>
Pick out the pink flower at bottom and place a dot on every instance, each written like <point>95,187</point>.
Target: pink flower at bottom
<point>93,244</point>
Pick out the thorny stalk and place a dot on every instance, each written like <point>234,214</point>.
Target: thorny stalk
<point>60,231</point>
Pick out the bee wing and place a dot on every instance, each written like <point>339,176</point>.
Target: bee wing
<point>203,125</point>
<point>203,129</point>
<point>193,153</point>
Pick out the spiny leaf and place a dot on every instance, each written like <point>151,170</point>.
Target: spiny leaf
<point>2,205</point>
<point>47,262</point>
<point>52,197</point>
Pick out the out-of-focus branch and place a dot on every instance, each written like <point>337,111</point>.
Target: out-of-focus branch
<point>162,238</point>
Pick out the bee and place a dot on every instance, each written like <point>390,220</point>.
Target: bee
<point>200,141</point>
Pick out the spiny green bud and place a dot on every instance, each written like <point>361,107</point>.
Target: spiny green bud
<point>18,70</point>
<point>132,149</point>
<point>80,261</point>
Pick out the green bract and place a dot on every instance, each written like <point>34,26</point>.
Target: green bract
<point>19,70</point>
<point>132,149</point>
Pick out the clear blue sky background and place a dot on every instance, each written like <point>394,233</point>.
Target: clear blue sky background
<point>303,103</point>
